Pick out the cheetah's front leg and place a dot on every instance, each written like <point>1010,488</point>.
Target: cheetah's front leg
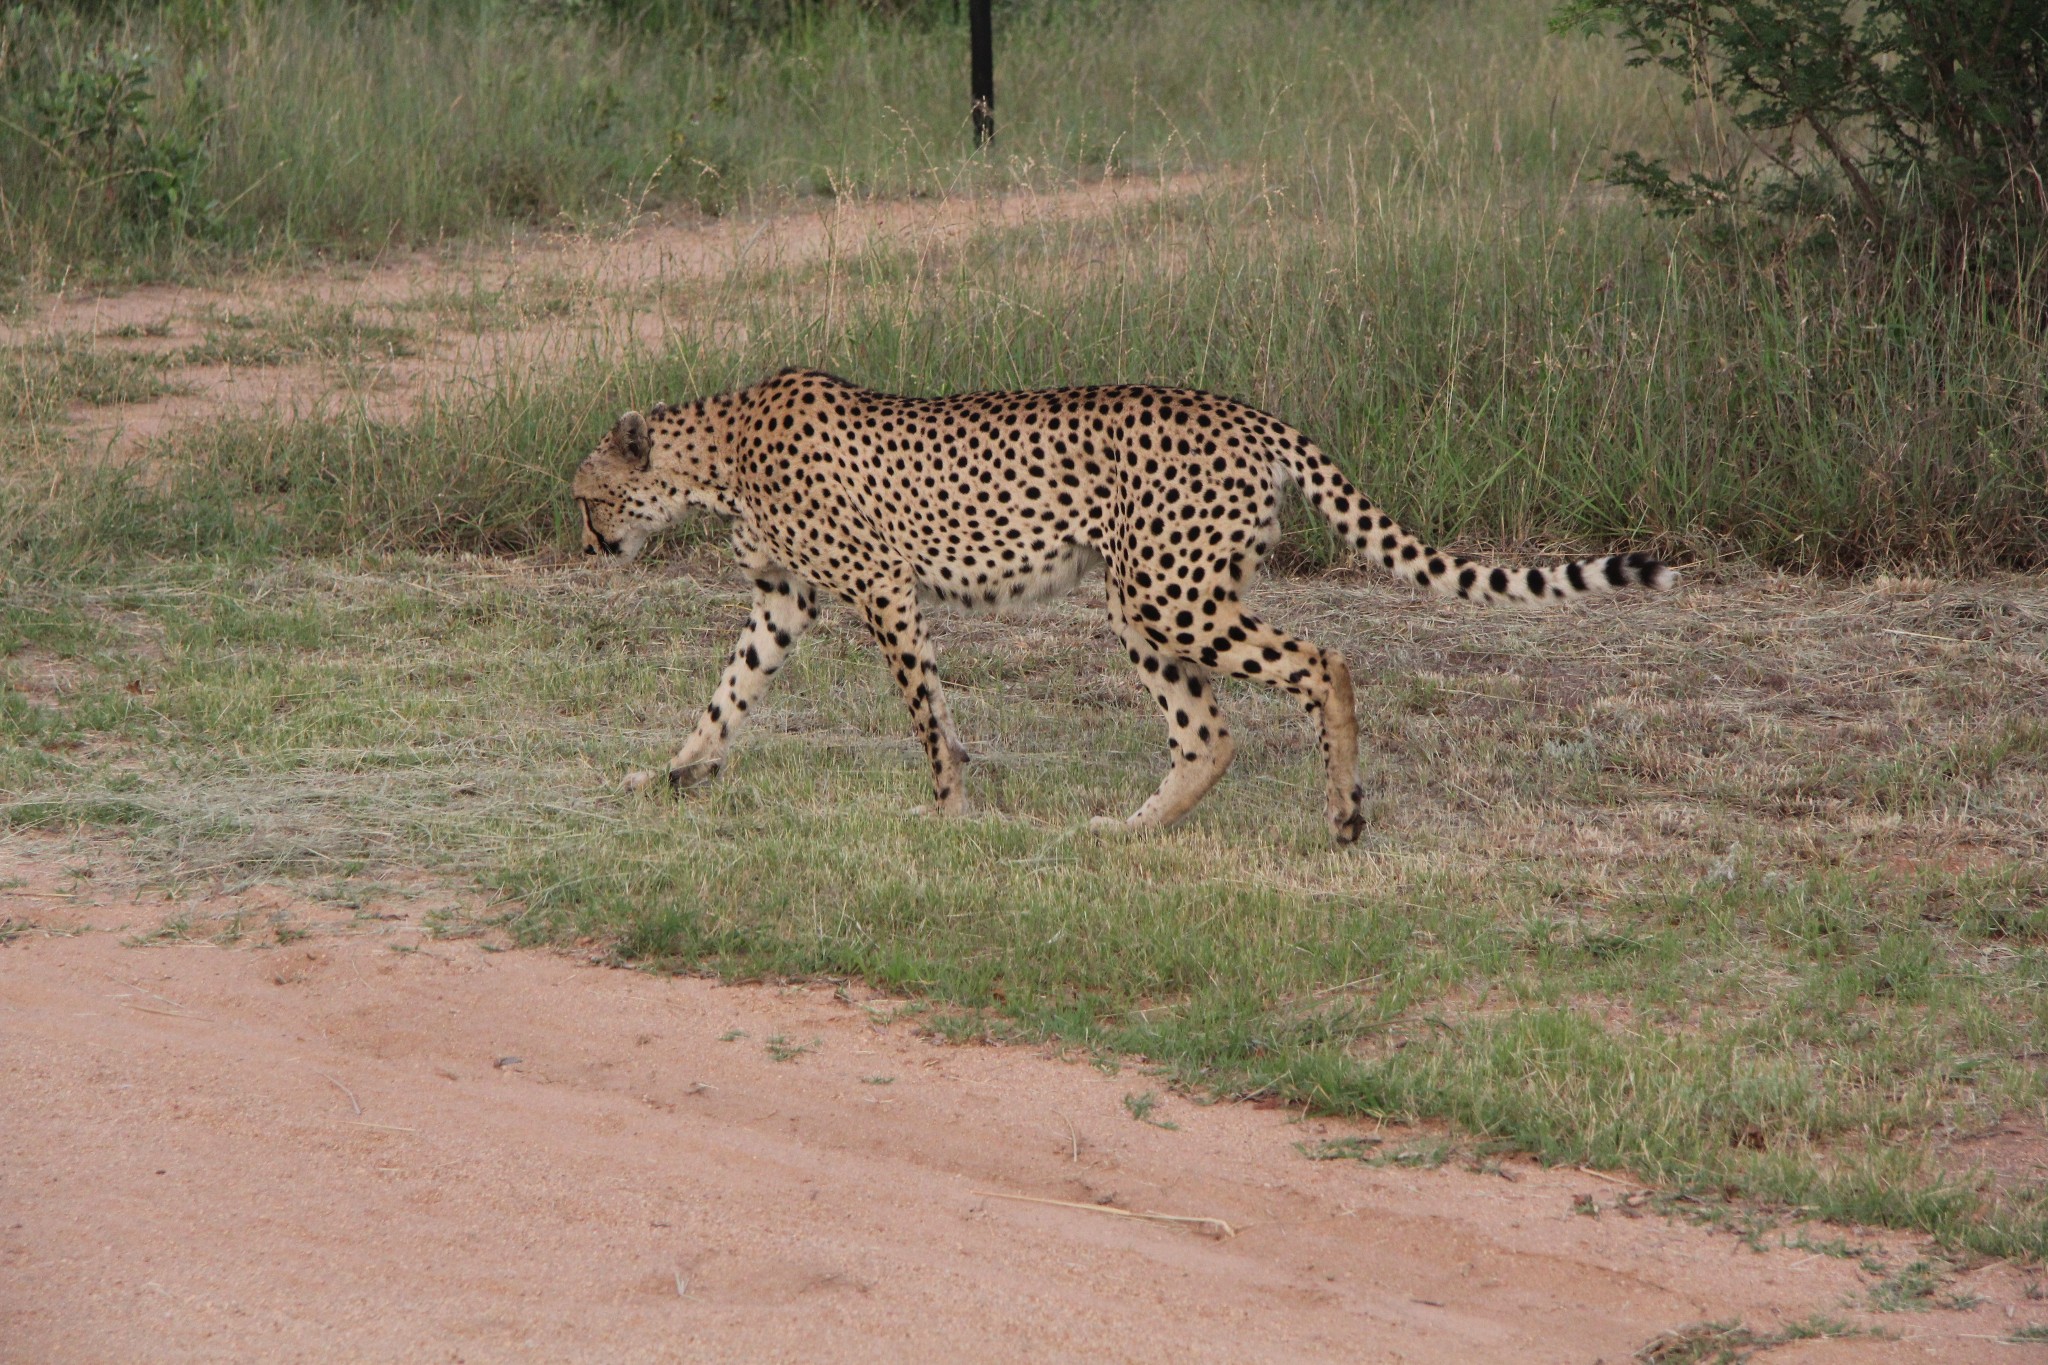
<point>784,608</point>
<point>892,614</point>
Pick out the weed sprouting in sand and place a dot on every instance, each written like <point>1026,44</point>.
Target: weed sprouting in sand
<point>1141,1105</point>
<point>1915,1287</point>
<point>1731,1343</point>
<point>781,1049</point>
<point>1340,1149</point>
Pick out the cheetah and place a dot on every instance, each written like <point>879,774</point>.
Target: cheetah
<point>889,502</point>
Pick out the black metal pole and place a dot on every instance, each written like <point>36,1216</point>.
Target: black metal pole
<point>982,58</point>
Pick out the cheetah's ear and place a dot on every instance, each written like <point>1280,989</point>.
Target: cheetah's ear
<point>631,438</point>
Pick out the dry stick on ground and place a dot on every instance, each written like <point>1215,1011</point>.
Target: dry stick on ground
<point>160,999</point>
<point>168,1014</point>
<point>175,1010</point>
<point>1610,1179</point>
<point>343,1089</point>
<point>1216,1225</point>
<point>1073,1134</point>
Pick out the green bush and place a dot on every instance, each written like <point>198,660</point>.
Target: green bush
<point>91,140</point>
<point>1906,112</point>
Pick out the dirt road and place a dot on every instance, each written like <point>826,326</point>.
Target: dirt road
<point>368,1143</point>
<point>379,338</point>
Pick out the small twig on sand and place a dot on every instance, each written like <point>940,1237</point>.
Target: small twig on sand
<point>1215,1227</point>
<point>160,999</point>
<point>343,1089</point>
<point>1610,1179</point>
<point>1073,1134</point>
<point>152,1009</point>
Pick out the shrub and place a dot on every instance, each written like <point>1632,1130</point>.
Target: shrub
<point>94,129</point>
<point>1905,112</point>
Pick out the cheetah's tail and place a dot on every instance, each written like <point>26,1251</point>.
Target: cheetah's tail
<point>1369,528</point>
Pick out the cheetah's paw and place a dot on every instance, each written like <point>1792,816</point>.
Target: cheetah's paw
<point>688,775</point>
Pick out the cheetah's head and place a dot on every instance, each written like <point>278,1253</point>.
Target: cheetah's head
<point>642,477</point>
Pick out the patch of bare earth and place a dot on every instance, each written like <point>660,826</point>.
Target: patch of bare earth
<point>467,312</point>
<point>254,1126</point>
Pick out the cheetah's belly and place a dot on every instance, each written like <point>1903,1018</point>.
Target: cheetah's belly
<point>992,583</point>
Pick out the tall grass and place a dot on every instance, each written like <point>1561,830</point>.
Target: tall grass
<point>1399,247</point>
<point>318,124</point>
<point>1496,386</point>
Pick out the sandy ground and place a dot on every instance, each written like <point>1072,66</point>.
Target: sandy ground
<point>612,292</point>
<point>363,1142</point>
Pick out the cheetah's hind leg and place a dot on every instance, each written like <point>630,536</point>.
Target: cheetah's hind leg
<point>1197,740</point>
<point>1232,640</point>
<point>1320,680</point>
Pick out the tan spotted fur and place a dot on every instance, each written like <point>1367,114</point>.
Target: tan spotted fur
<point>980,499</point>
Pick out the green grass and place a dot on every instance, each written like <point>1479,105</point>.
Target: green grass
<point>1594,920</point>
<point>39,381</point>
<point>309,331</point>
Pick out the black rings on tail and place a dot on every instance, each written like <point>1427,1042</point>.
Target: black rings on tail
<point>1369,529</point>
